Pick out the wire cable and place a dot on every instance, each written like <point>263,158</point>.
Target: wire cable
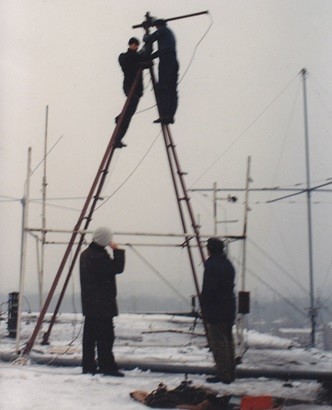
<point>10,199</point>
<point>158,273</point>
<point>295,307</point>
<point>195,49</point>
<point>245,130</point>
<point>326,276</point>
<point>130,175</point>
<point>282,269</point>
<point>284,140</point>
<point>277,225</point>
<point>48,152</point>
<point>189,65</point>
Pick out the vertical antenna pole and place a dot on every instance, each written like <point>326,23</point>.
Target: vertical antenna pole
<point>245,226</point>
<point>24,233</point>
<point>240,317</point>
<point>215,209</point>
<point>44,185</point>
<point>312,312</point>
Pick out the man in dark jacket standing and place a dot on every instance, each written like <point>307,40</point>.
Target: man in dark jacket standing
<point>130,62</point>
<point>167,96</point>
<point>98,291</point>
<point>218,308</point>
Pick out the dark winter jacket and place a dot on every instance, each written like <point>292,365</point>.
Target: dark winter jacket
<point>98,286</point>
<point>166,41</point>
<point>217,297</point>
<point>129,63</point>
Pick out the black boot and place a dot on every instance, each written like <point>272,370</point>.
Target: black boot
<point>119,144</point>
<point>219,379</point>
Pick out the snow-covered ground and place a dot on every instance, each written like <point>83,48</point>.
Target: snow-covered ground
<point>161,339</point>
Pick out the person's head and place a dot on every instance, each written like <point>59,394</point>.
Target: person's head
<point>133,43</point>
<point>215,246</point>
<point>160,23</point>
<point>102,236</point>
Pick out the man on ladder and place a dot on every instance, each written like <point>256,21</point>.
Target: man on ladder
<point>167,96</point>
<point>130,63</point>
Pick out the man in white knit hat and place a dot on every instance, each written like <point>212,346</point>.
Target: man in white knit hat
<point>98,292</point>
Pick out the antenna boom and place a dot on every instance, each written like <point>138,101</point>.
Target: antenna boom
<point>149,22</point>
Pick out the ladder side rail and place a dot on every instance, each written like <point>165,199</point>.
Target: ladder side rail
<point>169,144</point>
<point>194,272</point>
<point>175,184</point>
<point>179,201</point>
<point>106,156</point>
<point>185,192</point>
<point>63,291</point>
<point>78,249</point>
<point>88,219</point>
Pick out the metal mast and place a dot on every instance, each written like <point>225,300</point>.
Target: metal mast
<point>241,316</point>
<point>312,311</point>
<point>43,241</point>
<point>245,226</point>
<point>24,234</point>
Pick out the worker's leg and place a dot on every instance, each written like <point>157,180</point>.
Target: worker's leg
<point>88,347</point>
<point>222,346</point>
<point>105,341</point>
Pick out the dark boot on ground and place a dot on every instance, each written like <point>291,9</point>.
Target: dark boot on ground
<point>114,373</point>
<point>219,379</point>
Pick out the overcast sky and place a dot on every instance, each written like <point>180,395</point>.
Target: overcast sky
<point>240,95</point>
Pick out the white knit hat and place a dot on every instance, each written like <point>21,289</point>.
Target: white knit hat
<point>102,236</point>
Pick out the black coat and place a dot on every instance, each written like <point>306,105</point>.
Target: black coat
<point>129,63</point>
<point>97,275</point>
<point>166,41</point>
<point>217,297</point>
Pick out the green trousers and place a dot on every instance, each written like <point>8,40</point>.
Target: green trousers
<point>222,346</point>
